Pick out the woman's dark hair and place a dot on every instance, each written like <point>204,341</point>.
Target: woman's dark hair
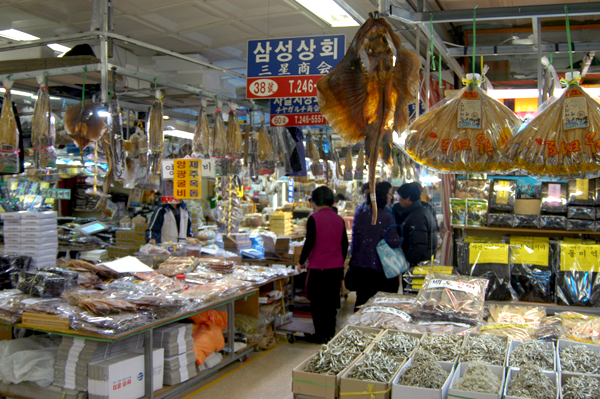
<point>364,188</point>
<point>339,197</point>
<point>381,190</point>
<point>322,196</point>
<point>409,190</point>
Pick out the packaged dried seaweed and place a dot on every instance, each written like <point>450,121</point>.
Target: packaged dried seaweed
<point>459,211</point>
<point>581,212</point>
<point>465,132</point>
<point>581,225</point>
<point>500,220</point>
<point>578,280</point>
<point>503,195</point>
<point>527,221</point>
<point>553,222</point>
<point>476,212</point>
<point>582,192</point>
<point>532,272</point>
<point>554,198</point>
<point>451,298</point>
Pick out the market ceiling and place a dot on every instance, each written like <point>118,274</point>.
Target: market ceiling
<point>217,31</point>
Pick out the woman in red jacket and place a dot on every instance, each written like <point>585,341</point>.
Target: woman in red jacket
<point>325,249</point>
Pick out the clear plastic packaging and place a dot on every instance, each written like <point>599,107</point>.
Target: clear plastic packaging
<point>472,188</point>
<point>554,198</point>
<point>581,212</point>
<point>500,220</point>
<point>177,265</point>
<point>532,271</point>
<point>51,283</point>
<point>383,316</point>
<point>503,195</point>
<point>451,298</point>
<point>581,225</point>
<point>577,282</point>
<point>582,192</point>
<point>476,212</point>
<point>459,211</point>
<point>514,331</point>
<point>527,221</point>
<point>532,315</point>
<point>552,222</point>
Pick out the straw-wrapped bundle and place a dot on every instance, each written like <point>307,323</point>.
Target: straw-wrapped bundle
<point>265,148</point>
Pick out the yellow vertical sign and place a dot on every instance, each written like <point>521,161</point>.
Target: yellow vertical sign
<point>502,189</point>
<point>187,178</point>
<point>582,187</point>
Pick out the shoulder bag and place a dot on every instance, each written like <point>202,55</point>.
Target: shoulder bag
<point>393,261</point>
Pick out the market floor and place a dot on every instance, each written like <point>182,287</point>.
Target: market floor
<point>266,374</point>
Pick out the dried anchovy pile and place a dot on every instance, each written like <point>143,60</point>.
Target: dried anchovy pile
<point>444,347</point>
<point>531,382</point>
<point>375,366</point>
<point>579,359</point>
<point>397,344</point>
<point>353,340</point>
<point>479,378</point>
<point>582,387</point>
<point>330,360</point>
<point>490,349</point>
<point>424,372</point>
<point>535,352</point>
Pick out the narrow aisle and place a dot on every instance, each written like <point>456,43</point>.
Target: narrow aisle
<point>265,374</point>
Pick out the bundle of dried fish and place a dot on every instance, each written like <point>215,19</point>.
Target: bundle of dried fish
<point>330,360</point>
<point>563,139</point>
<point>177,265</point>
<point>265,149</point>
<point>234,134</point>
<point>531,382</point>
<point>155,135</point>
<point>9,132</point>
<point>424,372</point>
<point>247,144</point>
<point>375,366</point>
<point>43,132</point>
<point>371,102</point>
<point>516,332</point>
<point>479,378</point>
<point>84,125</point>
<point>113,146</point>
<point>202,143</point>
<point>81,265</point>
<point>396,344</point>
<point>581,387</point>
<point>539,353</point>
<point>444,347</point>
<point>219,135</point>
<point>353,340</point>
<point>311,149</point>
<point>578,358</point>
<point>451,298</point>
<point>490,349</point>
<point>466,133</point>
<point>348,165</point>
<point>517,314</point>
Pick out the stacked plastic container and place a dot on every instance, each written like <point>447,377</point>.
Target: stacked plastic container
<point>32,234</point>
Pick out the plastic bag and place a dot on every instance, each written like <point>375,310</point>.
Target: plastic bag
<point>527,221</point>
<point>532,271</point>
<point>532,315</point>
<point>582,192</point>
<point>476,212</point>
<point>451,298</point>
<point>577,282</point>
<point>581,225</point>
<point>552,222</point>
<point>459,211</point>
<point>554,198</point>
<point>29,359</point>
<point>465,132</point>
<point>503,195</point>
<point>208,333</point>
<point>500,220</point>
<point>514,331</point>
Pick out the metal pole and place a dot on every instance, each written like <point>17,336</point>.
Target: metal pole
<point>104,54</point>
<point>148,365</point>
<point>418,50</point>
<point>537,33</point>
<point>428,80</point>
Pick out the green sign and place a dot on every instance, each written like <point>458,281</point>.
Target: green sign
<point>57,193</point>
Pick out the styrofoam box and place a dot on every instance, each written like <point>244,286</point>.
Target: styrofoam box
<point>511,373</point>
<point>38,253</point>
<point>404,392</point>
<point>12,240</point>
<point>42,236</point>
<point>12,222</point>
<point>514,344</point>
<point>317,385</point>
<point>40,245</point>
<point>38,228</point>
<point>11,215</point>
<point>460,371</point>
<point>352,386</point>
<point>504,338</point>
<point>565,376</point>
<point>562,343</point>
<point>9,228</point>
<point>39,215</point>
<point>38,222</point>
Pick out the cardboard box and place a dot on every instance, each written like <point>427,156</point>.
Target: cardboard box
<point>278,246</point>
<point>562,344</point>
<point>564,377</point>
<point>511,373</point>
<point>297,253</point>
<point>404,392</point>
<point>281,320</point>
<point>39,320</point>
<point>385,333</point>
<point>514,344</point>
<point>460,371</point>
<point>5,332</point>
<point>373,389</point>
<point>318,385</point>
<point>503,338</point>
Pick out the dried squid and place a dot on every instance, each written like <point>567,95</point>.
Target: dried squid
<point>371,102</point>
<point>9,132</point>
<point>43,132</point>
<point>155,135</point>
<point>466,133</point>
<point>84,125</point>
<point>564,139</point>
<point>234,134</point>
<point>116,158</point>
<point>202,143</point>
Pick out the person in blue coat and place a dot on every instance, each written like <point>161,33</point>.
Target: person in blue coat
<point>169,223</point>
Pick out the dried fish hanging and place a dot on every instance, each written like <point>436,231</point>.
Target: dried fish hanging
<point>359,170</point>
<point>9,132</point>
<point>266,163</point>
<point>219,134</point>
<point>348,165</point>
<point>371,103</point>
<point>136,147</point>
<point>115,132</point>
<point>43,132</point>
<point>312,154</point>
<point>202,143</point>
<point>323,156</point>
<point>155,135</point>
<point>234,134</point>
<point>395,167</point>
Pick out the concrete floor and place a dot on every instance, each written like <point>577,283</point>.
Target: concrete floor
<point>266,374</point>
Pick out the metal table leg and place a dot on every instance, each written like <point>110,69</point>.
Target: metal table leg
<point>148,364</point>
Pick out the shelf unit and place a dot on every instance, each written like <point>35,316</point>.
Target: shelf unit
<point>516,230</point>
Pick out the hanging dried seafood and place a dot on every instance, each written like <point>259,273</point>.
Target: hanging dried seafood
<point>265,151</point>
<point>84,125</point>
<point>311,149</point>
<point>371,102</point>
<point>360,164</point>
<point>564,138</point>
<point>202,144</point>
<point>219,135</point>
<point>115,135</point>
<point>229,214</point>
<point>234,134</point>
<point>348,165</point>
<point>395,167</point>
<point>9,132</point>
<point>323,156</point>
<point>155,135</point>
<point>43,132</point>
<point>246,144</point>
<point>466,133</point>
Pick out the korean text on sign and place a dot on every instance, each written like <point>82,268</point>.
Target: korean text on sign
<point>299,111</point>
<point>187,178</point>
<point>291,67</point>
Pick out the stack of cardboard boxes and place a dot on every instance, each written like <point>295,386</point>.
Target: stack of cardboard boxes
<point>128,242</point>
<point>33,234</point>
<point>281,223</point>
<point>178,344</point>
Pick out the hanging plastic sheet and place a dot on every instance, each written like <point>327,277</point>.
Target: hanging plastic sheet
<point>532,272</point>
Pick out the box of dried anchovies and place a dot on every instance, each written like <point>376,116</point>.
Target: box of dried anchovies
<point>413,392</point>
<point>512,374</point>
<point>577,357</point>
<point>489,348</point>
<point>397,343</point>
<point>356,338</point>
<point>580,384</point>
<point>320,374</point>
<point>371,375</point>
<point>532,350</point>
<point>455,392</point>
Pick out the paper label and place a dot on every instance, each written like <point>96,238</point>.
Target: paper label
<point>488,253</point>
<point>575,112</point>
<point>553,194</point>
<point>423,270</point>
<point>582,186</point>
<point>384,309</point>
<point>469,111</point>
<point>9,162</point>
<point>454,285</point>
<point>579,258</point>
<point>530,251</point>
<point>502,191</point>
<point>393,300</point>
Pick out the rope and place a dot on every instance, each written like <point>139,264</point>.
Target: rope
<point>474,36</point>
<point>431,44</point>
<point>569,40</point>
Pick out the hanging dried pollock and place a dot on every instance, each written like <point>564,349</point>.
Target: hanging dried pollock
<point>234,134</point>
<point>564,139</point>
<point>155,135</point>
<point>43,132</point>
<point>466,133</point>
<point>202,143</point>
<point>219,135</point>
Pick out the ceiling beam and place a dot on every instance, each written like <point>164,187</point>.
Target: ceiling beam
<point>555,48</point>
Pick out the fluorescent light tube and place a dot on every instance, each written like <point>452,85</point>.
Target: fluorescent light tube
<point>15,34</point>
<point>179,133</point>
<point>329,11</point>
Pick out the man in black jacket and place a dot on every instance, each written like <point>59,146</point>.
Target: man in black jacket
<point>418,237</point>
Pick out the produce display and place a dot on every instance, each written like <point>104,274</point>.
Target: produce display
<point>479,378</point>
<point>531,382</point>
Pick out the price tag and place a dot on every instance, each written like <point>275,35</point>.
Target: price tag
<point>488,253</point>
<point>167,171</point>
<point>575,112</point>
<point>579,257</point>
<point>393,300</point>
<point>454,285</point>
<point>384,309</point>
<point>208,168</point>
<point>423,270</point>
<point>469,111</point>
